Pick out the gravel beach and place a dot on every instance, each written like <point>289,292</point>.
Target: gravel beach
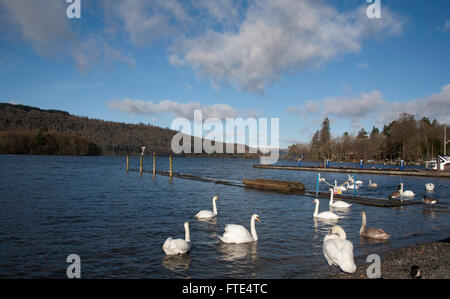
<point>432,258</point>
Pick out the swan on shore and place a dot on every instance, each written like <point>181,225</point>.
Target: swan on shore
<point>238,234</point>
<point>429,200</point>
<point>178,246</point>
<point>323,215</point>
<point>337,204</point>
<point>373,233</point>
<point>429,187</point>
<point>372,185</point>
<point>338,250</point>
<point>205,214</point>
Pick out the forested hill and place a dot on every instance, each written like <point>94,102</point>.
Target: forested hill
<point>30,130</point>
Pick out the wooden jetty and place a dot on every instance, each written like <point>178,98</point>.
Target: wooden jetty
<point>275,186</point>
<point>378,171</point>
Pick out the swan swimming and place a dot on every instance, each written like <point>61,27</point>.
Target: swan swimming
<point>323,215</point>
<point>238,234</point>
<point>429,187</point>
<point>205,214</point>
<point>429,200</point>
<point>373,233</point>
<point>352,186</point>
<point>337,204</point>
<point>338,250</point>
<point>407,193</point>
<point>178,246</point>
<point>372,185</point>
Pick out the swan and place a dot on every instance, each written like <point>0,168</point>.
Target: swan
<point>323,215</point>
<point>429,187</point>
<point>337,204</point>
<point>352,186</point>
<point>178,246</point>
<point>396,194</point>
<point>372,185</point>
<point>429,200</point>
<point>238,234</point>
<point>373,233</point>
<point>205,214</point>
<point>359,182</point>
<point>407,193</point>
<point>338,250</point>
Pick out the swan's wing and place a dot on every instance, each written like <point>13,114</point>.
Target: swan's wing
<point>180,245</point>
<point>340,252</point>
<point>236,233</point>
<point>205,214</point>
<point>377,233</point>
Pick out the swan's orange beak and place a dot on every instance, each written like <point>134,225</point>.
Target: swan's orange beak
<point>257,219</point>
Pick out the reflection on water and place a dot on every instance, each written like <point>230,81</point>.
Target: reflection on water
<point>233,252</point>
<point>177,263</point>
<point>117,221</point>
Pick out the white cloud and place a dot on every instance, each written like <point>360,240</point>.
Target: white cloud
<point>362,65</point>
<point>45,26</point>
<point>278,37</point>
<point>220,111</point>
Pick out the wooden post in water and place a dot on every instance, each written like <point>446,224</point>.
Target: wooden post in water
<point>154,164</point>
<point>128,163</point>
<point>141,168</point>
<point>171,166</point>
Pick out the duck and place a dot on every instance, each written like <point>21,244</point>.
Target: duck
<point>429,200</point>
<point>429,187</point>
<point>178,246</point>
<point>337,204</point>
<point>324,215</point>
<point>407,193</point>
<point>338,250</point>
<point>205,214</point>
<point>372,233</point>
<point>238,234</point>
<point>372,185</point>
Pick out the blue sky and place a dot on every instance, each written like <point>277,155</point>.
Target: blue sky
<point>297,60</point>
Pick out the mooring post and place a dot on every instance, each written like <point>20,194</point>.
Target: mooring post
<point>317,186</point>
<point>141,164</point>
<point>154,164</point>
<point>128,163</point>
<point>171,165</point>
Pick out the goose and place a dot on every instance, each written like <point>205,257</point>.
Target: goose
<point>373,233</point>
<point>429,200</point>
<point>323,215</point>
<point>238,234</point>
<point>205,214</point>
<point>338,250</point>
<point>429,187</point>
<point>407,193</point>
<point>372,185</point>
<point>178,246</point>
<point>337,204</point>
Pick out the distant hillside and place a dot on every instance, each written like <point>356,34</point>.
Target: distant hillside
<point>30,130</point>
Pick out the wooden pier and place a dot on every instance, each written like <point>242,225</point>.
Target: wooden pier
<point>409,172</point>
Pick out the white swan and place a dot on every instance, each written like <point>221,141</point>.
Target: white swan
<point>238,234</point>
<point>407,193</point>
<point>178,246</point>
<point>359,182</point>
<point>339,251</point>
<point>429,187</point>
<point>205,214</point>
<point>323,215</point>
<point>352,186</point>
<point>337,204</point>
<point>372,185</point>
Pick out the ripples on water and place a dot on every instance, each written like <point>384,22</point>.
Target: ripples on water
<point>117,222</point>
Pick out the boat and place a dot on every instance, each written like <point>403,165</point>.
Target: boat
<point>444,162</point>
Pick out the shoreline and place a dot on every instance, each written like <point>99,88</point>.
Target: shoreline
<point>433,259</point>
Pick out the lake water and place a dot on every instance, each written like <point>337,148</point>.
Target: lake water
<point>117,221</point>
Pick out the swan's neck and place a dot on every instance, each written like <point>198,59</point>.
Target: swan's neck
<point>363,224</point>
<point>187,236</point>
<point>214,207</point>
<point>401,188</point>
<point>253,229</point>
<point>331,198</point>
<point>342,234</point>
<point>316,211</point>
